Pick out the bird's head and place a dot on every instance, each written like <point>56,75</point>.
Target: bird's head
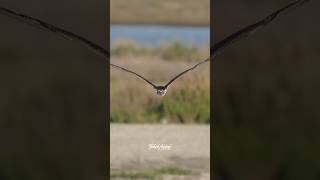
<point>161,90</point>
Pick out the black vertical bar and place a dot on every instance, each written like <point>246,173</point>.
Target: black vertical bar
<point>54,106</point>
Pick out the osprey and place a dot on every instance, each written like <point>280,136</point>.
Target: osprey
<point>160,90</point>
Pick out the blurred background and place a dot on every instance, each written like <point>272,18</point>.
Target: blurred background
<point>54,93</point>
<point>159,39</point>
<point>266,94</point>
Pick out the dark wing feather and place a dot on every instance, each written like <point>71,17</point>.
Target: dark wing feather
<point>213,52</point>
<point>245,32</point>
<point>66,34</point>
<point>49,27</point>
<point>182,73</point>
<point>129,71</point>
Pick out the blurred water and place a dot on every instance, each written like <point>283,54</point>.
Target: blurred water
<point>151,35</point>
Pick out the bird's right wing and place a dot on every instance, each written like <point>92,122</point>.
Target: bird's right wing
<point>51,28</point>
<point>247,31</point>
<point>129,71</point>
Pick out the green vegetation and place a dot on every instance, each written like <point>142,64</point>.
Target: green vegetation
<point>168,51</point>
<point>134,175</point>
<point>171,170</point>
<point>132,101</point>
<point>154,174</point>
<point>181,106</point>
<point>188,105</point>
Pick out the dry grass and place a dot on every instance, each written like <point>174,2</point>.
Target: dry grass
<point>174,50</point>
<point>132,100</point>
<point>177,12</point>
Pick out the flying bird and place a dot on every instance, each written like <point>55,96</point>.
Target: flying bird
<point>160,90</point>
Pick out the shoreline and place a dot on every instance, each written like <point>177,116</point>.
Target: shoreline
<point>147,23</point>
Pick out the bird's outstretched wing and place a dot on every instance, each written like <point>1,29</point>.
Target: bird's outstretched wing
<point>51,28</point>
<point>185,71</point>
<point>247,31</point>
<point>129,71</point>
<point>64,33</point>
<point>214,50</point>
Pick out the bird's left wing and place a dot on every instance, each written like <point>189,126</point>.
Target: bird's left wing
<point>54,29</point>
<point>247,31</point>
<point>182,73</point>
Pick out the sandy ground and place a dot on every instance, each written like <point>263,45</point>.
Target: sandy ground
<point>190,147</point>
